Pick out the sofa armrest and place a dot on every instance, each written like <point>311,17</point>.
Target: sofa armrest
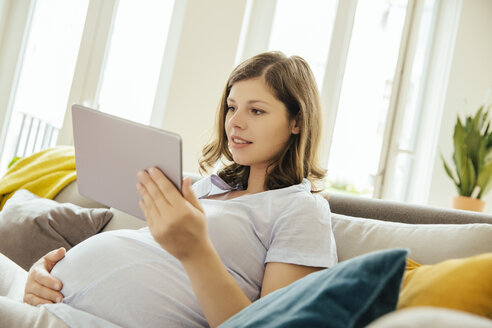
<point>122,220</point>
<point>70,194</point>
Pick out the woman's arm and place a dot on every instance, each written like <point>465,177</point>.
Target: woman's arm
<point>218,293</point>
<point>179,225</point>
<point>177,222</point>
<point>279,275</point>
<point>41,287</point>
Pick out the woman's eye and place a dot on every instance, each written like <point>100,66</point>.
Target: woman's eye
<point>231,109</point>
<point>257,111</point>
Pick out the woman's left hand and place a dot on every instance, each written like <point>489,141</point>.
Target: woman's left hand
<point>177,222</point>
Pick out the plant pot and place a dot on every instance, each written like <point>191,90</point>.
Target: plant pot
<point>468,204</point>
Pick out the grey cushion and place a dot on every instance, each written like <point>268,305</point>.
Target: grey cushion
<point>386,210</point>
<point>31,226</point>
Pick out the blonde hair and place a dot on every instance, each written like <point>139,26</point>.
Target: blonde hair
<point>292,82</point>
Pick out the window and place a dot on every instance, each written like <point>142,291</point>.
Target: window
<point>365,95</point>
<point>409,158</point>
<point>45,77</point>
<point>132,50</point>
<point>134,59</point>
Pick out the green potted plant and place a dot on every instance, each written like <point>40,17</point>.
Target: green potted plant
<point>472,159</point>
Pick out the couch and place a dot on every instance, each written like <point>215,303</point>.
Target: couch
<point>362,225</point>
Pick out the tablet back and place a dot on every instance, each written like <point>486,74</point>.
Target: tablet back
<point>109,151</point>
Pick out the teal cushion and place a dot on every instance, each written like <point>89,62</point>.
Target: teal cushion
<point>350,294</point>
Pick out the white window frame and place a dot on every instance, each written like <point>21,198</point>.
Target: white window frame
<point>15,23</point>
<point>445,27</point>
<point>256,31</point>
<point>395,109</point>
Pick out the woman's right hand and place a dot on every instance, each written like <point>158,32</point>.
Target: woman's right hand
<point>41,286</point>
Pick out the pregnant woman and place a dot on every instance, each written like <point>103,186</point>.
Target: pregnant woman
<point>255,226</point>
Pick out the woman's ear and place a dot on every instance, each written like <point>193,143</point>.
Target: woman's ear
<point>296,127</point>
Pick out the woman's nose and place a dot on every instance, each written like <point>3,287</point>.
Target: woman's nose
<point>237,119</point>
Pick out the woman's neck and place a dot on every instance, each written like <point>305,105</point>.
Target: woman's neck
<point>256,180</point>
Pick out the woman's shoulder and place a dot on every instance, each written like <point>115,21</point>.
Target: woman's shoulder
<point>299,198</point>
<point>302,190</point>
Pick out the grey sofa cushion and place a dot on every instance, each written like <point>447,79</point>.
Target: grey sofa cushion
<point>402,212</point>
<point>31,226</point>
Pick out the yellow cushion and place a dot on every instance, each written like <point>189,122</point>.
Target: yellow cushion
<point>460,284</point>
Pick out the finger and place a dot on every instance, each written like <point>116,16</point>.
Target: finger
<point>46,293</point>
<point>189,194</point>
<point>165,186</point>
<point>153,191</point>
<point>45,279</point>
<point>54,256</point>
<point>148,201</point>
<point>35,300</point>
<point>147,213</point>
<point>149,219</point>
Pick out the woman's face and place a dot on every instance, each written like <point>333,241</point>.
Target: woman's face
<point>256,124</point>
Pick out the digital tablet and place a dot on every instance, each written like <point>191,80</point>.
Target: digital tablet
<point>109,151</point>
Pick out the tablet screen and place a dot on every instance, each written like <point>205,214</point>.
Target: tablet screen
<point>109,151</point>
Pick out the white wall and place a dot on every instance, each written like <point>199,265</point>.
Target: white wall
<point>469,81</point>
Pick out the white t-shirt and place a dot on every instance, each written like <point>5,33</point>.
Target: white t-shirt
<point>125,278</point>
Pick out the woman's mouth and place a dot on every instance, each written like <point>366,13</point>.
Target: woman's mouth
<point>239,142</point>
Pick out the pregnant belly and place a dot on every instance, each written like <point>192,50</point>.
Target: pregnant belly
<point>110,255</point>
<point>125,274</point>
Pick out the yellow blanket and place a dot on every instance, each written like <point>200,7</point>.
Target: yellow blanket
<point>44,173</point>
